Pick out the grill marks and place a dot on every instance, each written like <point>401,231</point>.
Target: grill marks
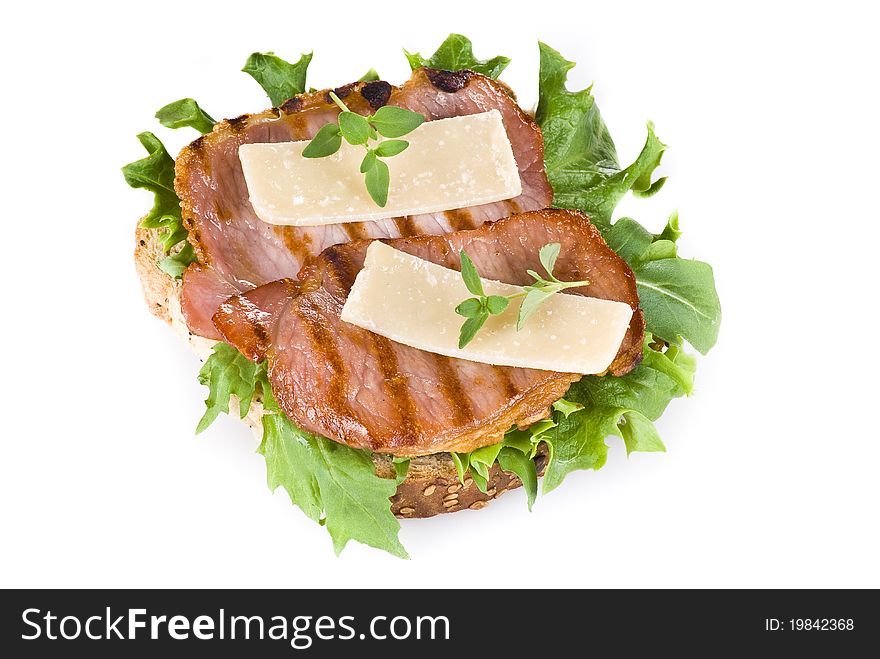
<point>453,390</point>
<point>296,242</point>
<point>339,268</point>
<point>460,219</point>
<point>512,206</point>
<point>406,226</point>
<point>323,343</point>
<point>505,382</point>
<point>398,390</point>
<point>363,390</point>
<point>356,230</point>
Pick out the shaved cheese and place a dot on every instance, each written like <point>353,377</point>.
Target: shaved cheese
<point>450,163</point>
<point>412,301</point>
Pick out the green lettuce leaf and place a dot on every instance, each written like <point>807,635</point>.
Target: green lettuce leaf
<point>369,76</point>
<point>579,443</point>
<point>280,80</point>
<point>579,154</point>
<point>679,299</point>
<point>455,54</point>
<point>622,406</point>
<point>332,483</point>
<point>289,464</point>
<point>516,462</point>
<point>629,239</point>
<point>647,389</point>
<point>174,264</point>
<point>639,433</point>
<point>185,113</point>
<point>155,173</point>
<point>514,454</point>
<point>677,295</point>
<point>226,373</point>
<point>671,231</point>
<point>594,409</point>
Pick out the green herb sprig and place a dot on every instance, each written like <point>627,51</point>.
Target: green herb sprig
<point>478,309</point>
<point>357,130</point>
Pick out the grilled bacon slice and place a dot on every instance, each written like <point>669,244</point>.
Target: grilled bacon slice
<point>366,391</point>
<point>238,252</point>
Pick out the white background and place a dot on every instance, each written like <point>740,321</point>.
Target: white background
<point>771,475</point>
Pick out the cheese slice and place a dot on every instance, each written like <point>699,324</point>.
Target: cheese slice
<point>412,301</point>
<point>450,163</point>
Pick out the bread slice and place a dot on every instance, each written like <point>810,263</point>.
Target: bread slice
<point>432,485</point>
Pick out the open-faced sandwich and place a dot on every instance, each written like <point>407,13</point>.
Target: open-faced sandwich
<point>415,294</point>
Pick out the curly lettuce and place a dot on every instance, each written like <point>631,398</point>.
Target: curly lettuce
<point>457,53</point>
<point>331,483</point>
<point>185,113</point>
<point>594,409</point>
<point>155,173</point>
<point>280,79</point>
<point>579,154</point>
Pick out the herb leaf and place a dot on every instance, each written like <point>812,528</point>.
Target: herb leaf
<point>457,53</point>
<point>533,299</point>
<point>377,180</point>
<point>185,112</point>
<point>354,128</point>
<point>548,255</point>
<point>390,148</point>
<point>370,76</point>
<point>470,327</point>
<point>368,162</point>
<point>469,308</point>
<point>280,80</point>
<point>326,142</point>
<point>470,275</point>
<point>534,295</point>
<point>496,304</point>
<point>392,121</point>
<point>359,130</point>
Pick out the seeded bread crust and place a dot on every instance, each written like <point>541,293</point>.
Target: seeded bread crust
<point>431,486</point>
